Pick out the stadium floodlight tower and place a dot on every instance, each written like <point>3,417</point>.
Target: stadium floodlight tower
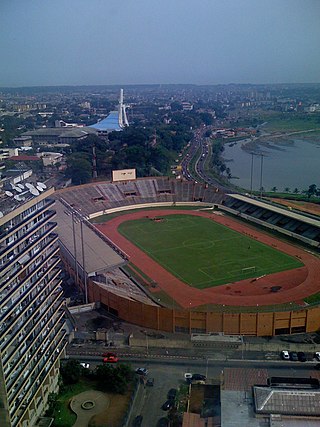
<point>123,120</point>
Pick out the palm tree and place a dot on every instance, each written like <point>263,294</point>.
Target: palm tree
<point>274,189</point>
<point>287,190</point>
<point>312,190</point>
<point>296,190</point>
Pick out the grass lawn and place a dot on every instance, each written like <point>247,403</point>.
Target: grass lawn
<point>63,416</point>
<point>203,253</point>
<point>111,417</point>
<point>106,217</point>
<point>313,299</point>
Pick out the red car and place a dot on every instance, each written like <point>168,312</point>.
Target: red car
<point>110,358</point>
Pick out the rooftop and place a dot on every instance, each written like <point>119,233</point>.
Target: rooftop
<point>23,158</point>
<point>63,132</point>
<point>284,401</point>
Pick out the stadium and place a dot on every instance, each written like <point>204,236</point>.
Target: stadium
<point>178,256</point>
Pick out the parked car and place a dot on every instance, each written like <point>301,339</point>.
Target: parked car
<point>198,377</point>
<point>150,382</point>
<point>137,421</point>
<point>85,365</point>
<point>302,356</point>
<point>163,422</point>
<point>142,371</point>
<point>317,355</point>
<point>110,358</point>
<point>172,394</point>
<point>201,382</point>
<point>188,377</point>
<point>285,355</point>
<point>168,404</point>
<point>293,356</point>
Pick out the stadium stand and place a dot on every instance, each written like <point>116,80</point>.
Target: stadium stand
<point>104,196</point>
<point>303,227</point>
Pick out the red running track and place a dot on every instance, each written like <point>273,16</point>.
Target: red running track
<point>295,284</point>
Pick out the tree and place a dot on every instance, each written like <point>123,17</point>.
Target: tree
<point>71,371</point>
<point>312,190</point>
<point>52,404</point>
<point>296,190</point>
<point>274,189</point>
<point>287,190</point>
<point>78,169</point>
<point>114,379</point>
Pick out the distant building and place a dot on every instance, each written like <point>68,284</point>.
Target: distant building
<point>63,124</point>
<point>59,136</point>
<point>23,141</point>
<point>186,106</point>
<point>116,120</point>
<point>50,159</point>
<point>6,153</point>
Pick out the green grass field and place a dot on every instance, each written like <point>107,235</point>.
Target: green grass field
<point>203,253</point>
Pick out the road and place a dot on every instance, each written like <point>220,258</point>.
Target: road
<point>199,141</point>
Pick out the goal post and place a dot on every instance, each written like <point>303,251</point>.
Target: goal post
<point>248,270</point>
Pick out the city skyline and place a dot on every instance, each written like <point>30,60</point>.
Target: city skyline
<point>146,42</point>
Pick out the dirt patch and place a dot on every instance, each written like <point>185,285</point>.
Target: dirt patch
<point>113,415</point>
<point>197,398</point>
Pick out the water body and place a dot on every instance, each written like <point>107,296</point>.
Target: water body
<point>292,164</point>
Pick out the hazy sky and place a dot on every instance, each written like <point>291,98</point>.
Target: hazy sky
<point>71,42</point>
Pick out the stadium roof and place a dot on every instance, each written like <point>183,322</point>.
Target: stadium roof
<point>110,123</point>
<point>99,257</point>
<point>283,211</point>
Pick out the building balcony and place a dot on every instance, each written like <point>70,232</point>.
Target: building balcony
<point>18,268</point>
<point>14,308</point>
<point>6,230</point>
<point>39,272</point>
<point>41,349</point>
<point>31,326</point>
<point>22,257</point>
<point>38,375</point>
<point>28,237</point>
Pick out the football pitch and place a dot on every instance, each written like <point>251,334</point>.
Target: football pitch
<point>202,253</point>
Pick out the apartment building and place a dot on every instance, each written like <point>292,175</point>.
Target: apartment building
<point>32,335</point>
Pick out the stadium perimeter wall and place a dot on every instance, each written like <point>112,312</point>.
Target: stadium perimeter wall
<point>164,319</point>
<point>186,321</point>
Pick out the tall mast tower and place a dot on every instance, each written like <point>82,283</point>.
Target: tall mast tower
<point>123,120</point>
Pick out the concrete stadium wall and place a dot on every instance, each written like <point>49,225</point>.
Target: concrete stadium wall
<point>149,205</point>
<point>168,320</point>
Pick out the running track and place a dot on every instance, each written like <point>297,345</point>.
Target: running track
<point>295,284</point>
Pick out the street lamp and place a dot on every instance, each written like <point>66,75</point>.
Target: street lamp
<point>251,175</point>
<point>77,217</point>
<point>83,265</point>
<point>147,342</point>
<point>75,247</point>
<point>261,169</point>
